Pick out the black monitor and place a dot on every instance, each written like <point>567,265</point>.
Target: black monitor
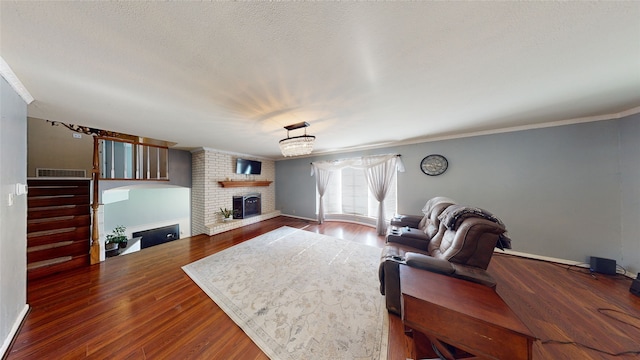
<point>249,167</point>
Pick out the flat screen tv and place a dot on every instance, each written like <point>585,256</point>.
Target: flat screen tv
<point>249,167</point>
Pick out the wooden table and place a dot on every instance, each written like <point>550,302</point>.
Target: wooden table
<point>466,315</point>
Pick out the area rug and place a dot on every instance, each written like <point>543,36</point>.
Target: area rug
<point>300,295</point>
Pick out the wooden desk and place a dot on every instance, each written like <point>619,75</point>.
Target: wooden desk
<point>466,315</point>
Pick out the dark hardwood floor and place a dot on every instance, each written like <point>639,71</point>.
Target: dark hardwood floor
<point>143,306</point>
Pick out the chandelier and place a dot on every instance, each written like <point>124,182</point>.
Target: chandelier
<point>297,145</point>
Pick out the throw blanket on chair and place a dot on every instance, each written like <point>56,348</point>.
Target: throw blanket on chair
<point>452,216</point>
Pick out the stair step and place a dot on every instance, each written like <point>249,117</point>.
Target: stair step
<point>49,246</point>
<point>49,262</point>
<point>57,200</point>
<point>52,211</point>
<point>56,250</point>
<point>50,219</point>
<point>44,271</point>
<point>56,190</point>
<point>62,222</point>
<point>58,226</point>
<point>56,182</point>
<point>57,235</point>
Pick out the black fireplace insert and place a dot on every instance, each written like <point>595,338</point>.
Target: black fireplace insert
<point>246,206</point>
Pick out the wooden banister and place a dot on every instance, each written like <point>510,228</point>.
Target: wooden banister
<point>95,205</point>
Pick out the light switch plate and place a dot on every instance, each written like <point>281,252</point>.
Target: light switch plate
<point>21,189</point>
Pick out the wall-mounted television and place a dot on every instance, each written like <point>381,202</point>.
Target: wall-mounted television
<point>249,167</point>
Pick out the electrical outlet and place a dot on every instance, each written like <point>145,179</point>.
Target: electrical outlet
<point>10,199</point>
<point>77,136</point>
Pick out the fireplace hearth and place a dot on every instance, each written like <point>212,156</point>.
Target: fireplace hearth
<point>247,206</point>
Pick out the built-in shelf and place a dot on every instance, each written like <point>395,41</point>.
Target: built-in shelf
<point>244,183</point>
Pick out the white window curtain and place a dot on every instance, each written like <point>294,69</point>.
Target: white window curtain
<point>322,180</point>
<point>379,178</point>
<point>379,171</point>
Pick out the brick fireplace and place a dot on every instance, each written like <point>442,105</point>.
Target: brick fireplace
<point>208,196</point>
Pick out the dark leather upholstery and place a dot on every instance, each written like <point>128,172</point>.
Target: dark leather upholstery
<point>462,251</point>
<point>429,222</point>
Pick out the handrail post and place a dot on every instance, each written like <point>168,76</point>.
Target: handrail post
<point>95,232</point>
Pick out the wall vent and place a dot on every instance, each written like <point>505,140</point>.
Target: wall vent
<point>64,173</point>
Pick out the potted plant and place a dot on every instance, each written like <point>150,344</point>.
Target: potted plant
<point>118,237</point>
<point>226,214</point>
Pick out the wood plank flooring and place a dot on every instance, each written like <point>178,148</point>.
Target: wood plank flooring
<point>143,306</point>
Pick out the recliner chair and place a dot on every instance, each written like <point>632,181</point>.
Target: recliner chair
<point>462,247</point>
<point>431,210</point>
<point>415,230</point>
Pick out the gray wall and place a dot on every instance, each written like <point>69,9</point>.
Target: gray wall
<point>566,192</point>
<point>630,190</point>
<point>13,219</point>
<point>55,147</point>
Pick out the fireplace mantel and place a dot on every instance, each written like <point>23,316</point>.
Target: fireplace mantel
<point>244,183</point>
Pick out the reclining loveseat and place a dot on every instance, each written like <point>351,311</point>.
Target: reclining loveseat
<point>450,239</point>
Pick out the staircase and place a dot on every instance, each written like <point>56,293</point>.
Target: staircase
<point>58,226</point>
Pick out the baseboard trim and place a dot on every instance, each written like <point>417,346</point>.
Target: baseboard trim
<point>554,260</point>
<point>299,217</point>
<point>352,222</point>
<point>332,220</point>
<point>14,331</point>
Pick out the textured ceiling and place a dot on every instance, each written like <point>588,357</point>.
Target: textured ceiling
<point>230,76</point>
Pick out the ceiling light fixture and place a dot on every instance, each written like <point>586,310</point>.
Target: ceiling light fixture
<point>297,145</point>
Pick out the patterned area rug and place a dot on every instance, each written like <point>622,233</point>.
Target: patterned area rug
<point>300,295</point>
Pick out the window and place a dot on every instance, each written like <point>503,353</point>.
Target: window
<point>348,194</point>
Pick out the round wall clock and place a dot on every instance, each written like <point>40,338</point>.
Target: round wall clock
<point>434,165</point>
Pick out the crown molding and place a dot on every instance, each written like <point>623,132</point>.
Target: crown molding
<point>247,156</point>
<point>587,119</point>
<point>15,83</point>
